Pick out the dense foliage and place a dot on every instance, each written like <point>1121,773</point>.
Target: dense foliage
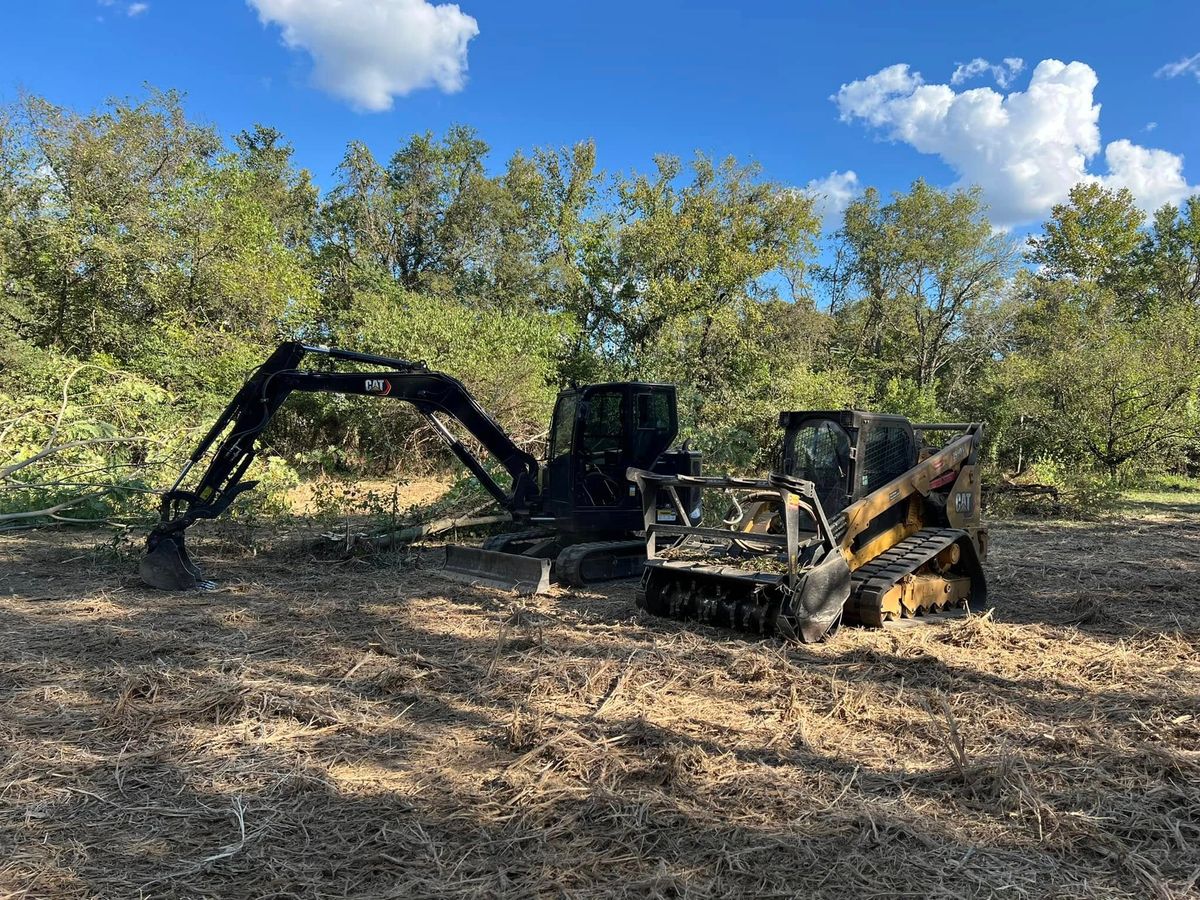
<point>146,265</point>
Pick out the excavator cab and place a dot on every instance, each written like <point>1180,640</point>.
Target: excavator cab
<point>597,434</point>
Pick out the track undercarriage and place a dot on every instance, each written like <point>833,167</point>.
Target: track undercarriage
<point>934,571</point>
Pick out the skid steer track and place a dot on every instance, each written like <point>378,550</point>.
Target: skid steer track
<point>871,582</point>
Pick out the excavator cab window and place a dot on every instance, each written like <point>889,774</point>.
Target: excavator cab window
<point>563,430</point>
<point>653,426</point>
<point>819,451</point>
<point>600,447</point>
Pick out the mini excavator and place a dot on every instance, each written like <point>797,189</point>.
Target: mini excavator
<point>859,521</point>
<point>580,517</point>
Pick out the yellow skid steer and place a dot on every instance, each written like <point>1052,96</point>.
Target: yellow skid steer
<point>860,522</point>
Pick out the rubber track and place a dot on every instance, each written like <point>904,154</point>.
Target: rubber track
<point>869,583</point>
<point>568,566</point>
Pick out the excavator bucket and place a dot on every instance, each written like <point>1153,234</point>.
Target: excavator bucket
<point>506,571</point>
<point>168,567</point>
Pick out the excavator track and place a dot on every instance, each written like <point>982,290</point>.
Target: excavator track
<point>936,571</point>
<point>581,565</point>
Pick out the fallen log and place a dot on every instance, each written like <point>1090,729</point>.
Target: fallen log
<point>412,533</point>
<point>1029,492</point>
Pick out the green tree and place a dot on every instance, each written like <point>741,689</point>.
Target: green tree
<point>1172,256</point>
<point>1106,347</point>
<point>90,231</point>
<point>682,283</point>
<point>917,285</point>
<point>1094,238</point>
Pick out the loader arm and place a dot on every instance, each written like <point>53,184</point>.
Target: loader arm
<point>937,470</point>
<point>166,564</point>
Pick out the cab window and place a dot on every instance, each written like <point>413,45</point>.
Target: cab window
<point>819,451</point>
<point>564,425</point>
<point>603,423</point>
<point>888,455</point>
<point>653,428</point>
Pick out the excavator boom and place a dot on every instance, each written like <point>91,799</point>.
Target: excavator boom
<point>167,565</point>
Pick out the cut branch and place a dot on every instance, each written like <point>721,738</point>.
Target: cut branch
<point>51,512</point>
<point>50,451</point>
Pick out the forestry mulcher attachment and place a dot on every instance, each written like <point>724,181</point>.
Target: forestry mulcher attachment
<point>580,514</point>
<point>859,522</point>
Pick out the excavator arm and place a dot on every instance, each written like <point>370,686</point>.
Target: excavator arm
<point>166,564</point>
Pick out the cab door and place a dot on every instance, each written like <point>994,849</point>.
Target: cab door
<point>601,448</point>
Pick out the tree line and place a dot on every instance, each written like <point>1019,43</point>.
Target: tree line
<point>147,264</point>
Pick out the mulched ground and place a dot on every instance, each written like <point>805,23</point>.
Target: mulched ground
<point>326,728</point>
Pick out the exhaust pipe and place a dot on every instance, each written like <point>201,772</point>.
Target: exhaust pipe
<point>168,567</point>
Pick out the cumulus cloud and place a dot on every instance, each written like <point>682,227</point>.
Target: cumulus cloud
<point>1004,73</point>
<point>1189,65</point>
<point>831,195</point>
<point>1154,176</point>
<point>1026,149</point>
<point>370,51</point>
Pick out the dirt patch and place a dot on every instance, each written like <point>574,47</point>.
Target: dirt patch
<point>318,728</point>
<point>362,497</point>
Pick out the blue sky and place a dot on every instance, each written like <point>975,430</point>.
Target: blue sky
<point>752,80</point>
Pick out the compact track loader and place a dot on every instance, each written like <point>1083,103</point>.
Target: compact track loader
<point>580,517</point>
<point>859,522</point>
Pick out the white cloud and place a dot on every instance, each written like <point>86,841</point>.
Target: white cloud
<point>1004,73</point>
<point>369,51</point>
<point>131,9</point>
<point>1190,64</point>
<point>1154,176</point>
<point>1150,126</point>
<point>831,195</point>
<point>1026,149</point>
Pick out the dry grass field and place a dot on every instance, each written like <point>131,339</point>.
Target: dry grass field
<point>324,728</point>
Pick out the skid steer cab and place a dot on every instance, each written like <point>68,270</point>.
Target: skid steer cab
<point>849,456</point>
<point>579,515</point>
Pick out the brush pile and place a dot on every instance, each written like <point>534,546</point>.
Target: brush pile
<point>324,730</point>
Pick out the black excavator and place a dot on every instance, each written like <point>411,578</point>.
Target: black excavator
<point>579,517</point>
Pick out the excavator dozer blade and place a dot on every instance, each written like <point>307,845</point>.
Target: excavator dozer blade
<point>167,567</point>
<point>506,571</point>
